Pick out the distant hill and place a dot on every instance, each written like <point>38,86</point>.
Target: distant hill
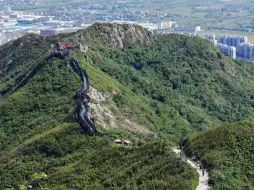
<point>146,88</point>
<point>228,152</point>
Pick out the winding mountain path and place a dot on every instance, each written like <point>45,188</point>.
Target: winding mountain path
<point>203,180</point>
<point>83,100</point>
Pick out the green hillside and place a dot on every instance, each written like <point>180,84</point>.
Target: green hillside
<point>188,83</point>
<point>39,134</point>
<point>228,153</point>
<point>171,85</point>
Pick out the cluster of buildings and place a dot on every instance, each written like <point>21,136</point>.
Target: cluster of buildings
<point>228,50</point>
<point>233,46</point>
<point>75,16</point>
<point>167,25</point>
<point>205,8</point>
<point>240,44</point>
<point>14,25</point>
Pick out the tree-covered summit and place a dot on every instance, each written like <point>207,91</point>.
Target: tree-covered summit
<point>157,89</point>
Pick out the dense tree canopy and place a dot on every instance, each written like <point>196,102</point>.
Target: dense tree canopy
<point>171,84</point>
<point>228,153</point>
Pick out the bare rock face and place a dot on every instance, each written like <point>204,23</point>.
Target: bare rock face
<point>102,115</point>
<point>95,95</point>
<point>134,127</point>
<point>83,48</point>
<point>117,34</point>
<point>99,112</point>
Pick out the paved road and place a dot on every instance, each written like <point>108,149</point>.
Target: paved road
<point>203,180</point>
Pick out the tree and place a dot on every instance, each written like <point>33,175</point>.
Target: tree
<point>35,178</point>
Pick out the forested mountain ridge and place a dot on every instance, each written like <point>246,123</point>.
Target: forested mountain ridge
<point>41,135</point>
<point>171,85</point>
<point>174,71</point>
<point>228,152</point>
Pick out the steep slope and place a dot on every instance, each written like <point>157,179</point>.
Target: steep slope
<point>36,106</point>
<point>228,153</point>
<point>19,60</point>
<point>39,133</point>
<point>150,88</point>
<point>187,82</point>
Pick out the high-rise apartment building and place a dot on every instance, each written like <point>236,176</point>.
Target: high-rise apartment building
<point>229,50</point>
<point>232,40</point>
<point>233,46</point>
<point>243,48</point>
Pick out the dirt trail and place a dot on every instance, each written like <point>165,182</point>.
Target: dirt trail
<point>203,180</point>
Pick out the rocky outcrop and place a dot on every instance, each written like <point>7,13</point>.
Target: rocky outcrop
<point>83,48</point>
<point>116,35</point>
<point>101,112</point>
